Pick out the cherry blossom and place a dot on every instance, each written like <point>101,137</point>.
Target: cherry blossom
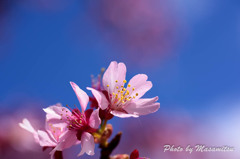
<point>124,101</point>
<point>80,125</point>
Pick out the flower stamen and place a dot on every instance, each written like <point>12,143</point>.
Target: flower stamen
<point>122,94</point>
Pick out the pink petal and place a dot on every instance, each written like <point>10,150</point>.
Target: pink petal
<point>121,74</point>
<point>56,112</point>
<point>115,72</point>
<point>87,143</point>
<point>56,115</point>
<point>67,140</point>
<point>100,97</point>
<point>45,140</point>
<point>57,124</point>
<point>52,153</point>
<point>81,95</point>
<point>94,120</point>
<point>56,129</point>
<point>140,84</point>
<point>27,126</point>
<point>122,114</point>
<point>143,106</point>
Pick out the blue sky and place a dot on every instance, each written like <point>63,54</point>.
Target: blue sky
<point>44,47</point>
<point>47,49</point>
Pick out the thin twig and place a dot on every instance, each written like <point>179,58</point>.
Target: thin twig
<point>107,149</point>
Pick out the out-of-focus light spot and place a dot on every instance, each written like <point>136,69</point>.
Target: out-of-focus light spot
<point>140,30</point>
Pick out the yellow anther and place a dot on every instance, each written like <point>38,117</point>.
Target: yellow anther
<point>117,87</point>
<point>124,89</point>
<point>123,102</point>
<point>133,88</point>
<point>113,93</point>
<point>127,92</point>
<point>121,92</point>
<point>116,81</point>
<point>122,86</point>
<point>124,81</point>
<point>102,69</point>
<point>118,91</point>
<point>107,85</point>
<point>128,99</point>
<point>136,94</point>
<point>129,85</point>
<point>134,97</point>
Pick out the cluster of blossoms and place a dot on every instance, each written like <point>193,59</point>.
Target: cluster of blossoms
<point>111,97</point>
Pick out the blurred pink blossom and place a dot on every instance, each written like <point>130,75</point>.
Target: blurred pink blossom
<point>14,141</point>
<point>142,30</point>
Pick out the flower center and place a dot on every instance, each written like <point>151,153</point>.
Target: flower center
<point>75,121</point>
<point>121,95</point>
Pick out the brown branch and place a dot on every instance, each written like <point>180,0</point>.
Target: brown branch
<point>106,150</point>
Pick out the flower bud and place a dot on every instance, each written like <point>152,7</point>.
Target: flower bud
<point>107,132</point>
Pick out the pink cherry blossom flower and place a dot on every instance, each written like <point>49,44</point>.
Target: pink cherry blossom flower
<point>124,101</point>
<point>51,136</point>
<point>79,125</point>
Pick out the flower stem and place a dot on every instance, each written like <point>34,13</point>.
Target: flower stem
<point>103,126</point>
<point>58,155</point>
